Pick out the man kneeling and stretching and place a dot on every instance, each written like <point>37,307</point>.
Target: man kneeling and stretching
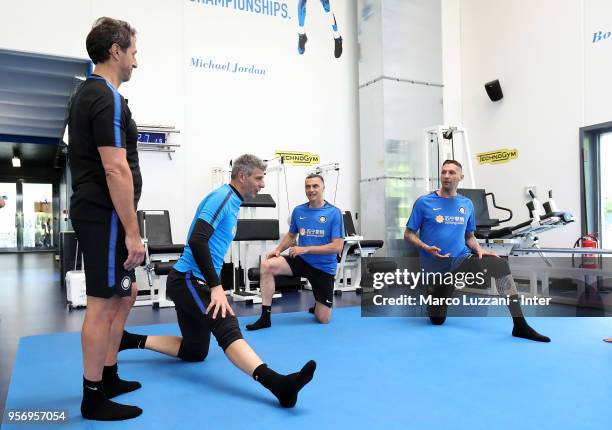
<point>200,302</point>
<point>447,244</point>
<point>321,238</point>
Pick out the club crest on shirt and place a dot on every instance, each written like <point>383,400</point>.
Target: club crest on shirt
<point>461,210</point>
<point>322,219</point>
<point>302,231</point>
<point>439,219</point>
<point>126,283</point>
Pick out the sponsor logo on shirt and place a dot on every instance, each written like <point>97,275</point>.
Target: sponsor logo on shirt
<point>450,220</point>
<point>313,232</point>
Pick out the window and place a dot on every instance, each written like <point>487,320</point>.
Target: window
<point>596,196</point>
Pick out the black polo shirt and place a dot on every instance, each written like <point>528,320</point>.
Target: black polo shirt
<point>99,116</point>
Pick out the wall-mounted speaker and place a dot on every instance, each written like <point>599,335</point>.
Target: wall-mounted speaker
<point>494,90</point>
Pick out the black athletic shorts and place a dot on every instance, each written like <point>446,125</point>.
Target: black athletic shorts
<point>104,252</point>
<point>191,297</point>
<point>322,282</point>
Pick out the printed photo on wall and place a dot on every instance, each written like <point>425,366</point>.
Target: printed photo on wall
<point>335,32</point>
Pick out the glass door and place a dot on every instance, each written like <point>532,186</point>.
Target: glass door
<point>28,218</point>
<point>37,216</point>
<point>605,161</point>
<point>8,216</point>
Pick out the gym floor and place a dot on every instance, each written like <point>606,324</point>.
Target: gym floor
<point>372,372</point>
<point>32,302</point>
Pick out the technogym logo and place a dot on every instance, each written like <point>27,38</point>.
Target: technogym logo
<point>600,36</point>
<point>273,8</point>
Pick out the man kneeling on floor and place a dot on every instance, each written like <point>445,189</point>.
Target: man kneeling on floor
<point>321,238</point>
<point>200,302</point>
<point>446,222</point>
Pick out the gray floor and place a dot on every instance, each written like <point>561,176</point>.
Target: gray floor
<point>32,302</point>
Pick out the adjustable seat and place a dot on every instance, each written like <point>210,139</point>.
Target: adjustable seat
<point>160,255</point>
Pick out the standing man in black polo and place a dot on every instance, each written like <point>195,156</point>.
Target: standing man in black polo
<point>106,184</point>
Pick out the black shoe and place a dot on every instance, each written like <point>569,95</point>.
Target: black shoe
<point>338,47</point>
<point>302,43</point>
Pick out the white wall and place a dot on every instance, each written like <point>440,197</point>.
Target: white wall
<point>598,61</point>
<point>536,49</point>
<point>305,103</point>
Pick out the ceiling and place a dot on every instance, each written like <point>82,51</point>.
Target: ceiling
<point>34,94</point>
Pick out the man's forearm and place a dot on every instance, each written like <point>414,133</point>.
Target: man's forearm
<point>329,249</point>
<point>473,244</point>
<point>414,240</point>
<point>285,243</point>
<point>121,188</point>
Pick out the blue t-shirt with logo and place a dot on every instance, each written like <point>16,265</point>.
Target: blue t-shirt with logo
<point>443,222</point>
<point>316,227</point>
<point>219,209</point>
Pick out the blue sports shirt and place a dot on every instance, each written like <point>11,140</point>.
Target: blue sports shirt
<point>443,222</point>
<point>316,227</point>
<point>219,209</point>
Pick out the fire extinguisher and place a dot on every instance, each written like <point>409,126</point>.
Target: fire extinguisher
<point>589,240</point>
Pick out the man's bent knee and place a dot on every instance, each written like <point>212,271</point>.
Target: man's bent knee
<point>192,352</point>
<point>270,266</point>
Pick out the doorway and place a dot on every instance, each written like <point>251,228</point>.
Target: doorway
<point>596,157</point>
<point>29,219</point>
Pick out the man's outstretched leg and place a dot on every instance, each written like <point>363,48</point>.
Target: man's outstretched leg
<point>499,269</point>
<point>284,387</point>
<point>506,286</point>
<point>196,325</point>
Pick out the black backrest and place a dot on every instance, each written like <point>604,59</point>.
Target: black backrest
<point>259,201</point>
<point>349,226</point>
<point>158,230</point>
<point>478,196</point>
<point>256,229</point>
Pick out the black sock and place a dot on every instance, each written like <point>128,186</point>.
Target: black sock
<point>312,309</point>
<point>285,387</point>
<point>132,341</point>
<point>263,321</point>
<point>114,385</point>
<point>95,405</point>
<point>521,328</point>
